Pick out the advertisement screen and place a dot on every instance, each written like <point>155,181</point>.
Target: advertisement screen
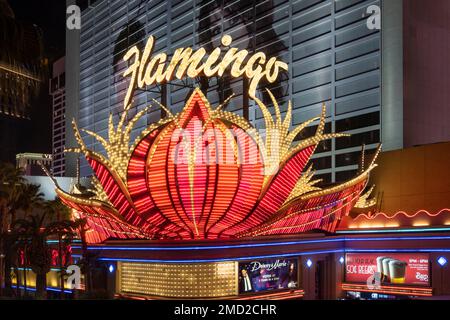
<point>389,269</point>
<point>263,275</point>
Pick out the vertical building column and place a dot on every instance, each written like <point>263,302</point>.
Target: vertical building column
<point>308,283</point>
<point>112,279</point>
<point>338,275</point>
<point>72,92</point>
<point>392,74</point>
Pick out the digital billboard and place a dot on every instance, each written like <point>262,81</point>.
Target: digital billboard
<point>263,275</point>
<point>398,268</point>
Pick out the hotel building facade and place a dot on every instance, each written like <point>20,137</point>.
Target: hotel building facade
<point>338,55</point>
<point>333,51</point>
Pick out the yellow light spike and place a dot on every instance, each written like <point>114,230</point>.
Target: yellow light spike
<point>341,186</point>
<point>291,136</point>
<point>315,140</point>
<point>288,118</point>
<point>147,131</point>
<point>304,185</point>
<point>78,135</point>
<point>168,112</point>
<point>322,122</point>
<point>317,181</point>
<point>123,117</point>
<point>334,135</point>
<point>267,115</point>
<point>364,202</point>
<point>133,121</point>
<point>74,150</point>
<point>277,108</point>
<point>98,137</point>
<point>245,125</point>
<point>377,153</point>
<point>110,127</point>
<point>219,107</point>
<point>99,191</point>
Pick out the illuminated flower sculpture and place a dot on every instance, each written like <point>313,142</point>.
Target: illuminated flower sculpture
<point>207,174</point>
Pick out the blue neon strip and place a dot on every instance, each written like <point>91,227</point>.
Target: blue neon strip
<point>255,245</point>
<point>57,241</point>
<point>270,256</point>
<point>391,230</point>
<point>48,289</point>
<point>296,254</point>
<point>397,250</point>
<point>400,238</point>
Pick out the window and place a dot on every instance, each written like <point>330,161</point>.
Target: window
<point>352,158</point>
<point>362,121</point>
<point>326,178</point>
<point>321,163</point>
<point>345,175</point>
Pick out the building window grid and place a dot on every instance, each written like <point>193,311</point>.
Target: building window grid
<point>336,13</point>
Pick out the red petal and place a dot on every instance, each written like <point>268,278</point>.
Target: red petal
<point>277,192</point>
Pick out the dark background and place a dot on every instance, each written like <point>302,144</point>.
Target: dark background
<point>49,15</point>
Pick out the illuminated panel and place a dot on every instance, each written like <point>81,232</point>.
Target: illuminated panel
<point>227,179</point>
<point>159,184</point>
<point>251,179</point>
<point>153,220</point>
<point>204,178</point>
<point>190,174</point>
<point>206,280</point>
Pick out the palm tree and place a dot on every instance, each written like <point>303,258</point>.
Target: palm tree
<point>62,213</point>
<point>38,232</point>
<point>15,196</point>
<point>10,179</point>
<point>26,198</point>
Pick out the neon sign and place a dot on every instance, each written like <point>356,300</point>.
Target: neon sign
<point>185,62</point>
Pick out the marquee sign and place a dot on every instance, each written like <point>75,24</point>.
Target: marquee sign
<point>267,275</point>
<point>388,268</point>
<point>207,173</point>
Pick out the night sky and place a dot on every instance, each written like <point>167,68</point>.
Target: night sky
<point>49,15</point>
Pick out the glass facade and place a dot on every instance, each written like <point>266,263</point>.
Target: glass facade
<point>333,58</point>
